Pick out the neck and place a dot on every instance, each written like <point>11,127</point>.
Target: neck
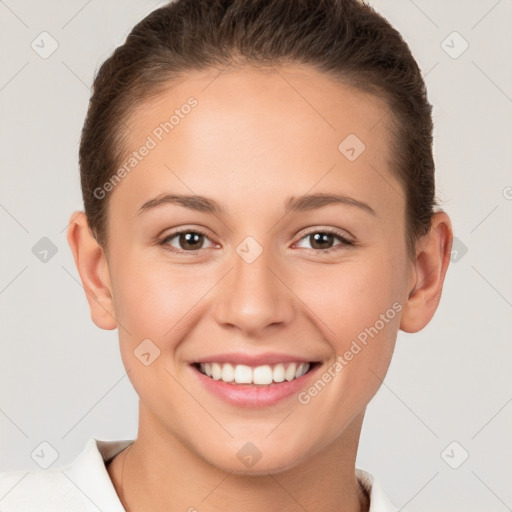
<point>159,472</point>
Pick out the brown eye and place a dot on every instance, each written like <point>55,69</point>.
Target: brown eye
<point>321,240</point>
<point>187,241</point>
<point>324,240</point>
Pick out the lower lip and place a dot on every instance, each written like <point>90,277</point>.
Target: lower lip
<point>250,395</point>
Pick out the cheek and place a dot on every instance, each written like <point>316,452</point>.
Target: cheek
<point>162,303</point>
<point>150,296</point>
<point>153,305</point>
<point>351,296</point>
<point>358,308</point>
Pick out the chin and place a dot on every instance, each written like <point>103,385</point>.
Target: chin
<point>250,461</point>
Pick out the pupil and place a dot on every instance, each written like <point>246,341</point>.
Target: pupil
<point>320,238</point>
<point>190,239</point>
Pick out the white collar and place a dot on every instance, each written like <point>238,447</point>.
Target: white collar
<point>89,473</point>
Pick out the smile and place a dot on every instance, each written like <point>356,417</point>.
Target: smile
<point>264,375</point>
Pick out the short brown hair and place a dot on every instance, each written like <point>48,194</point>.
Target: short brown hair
<point>346,39</point>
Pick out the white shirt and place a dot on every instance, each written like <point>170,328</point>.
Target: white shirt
<point>84,485</point>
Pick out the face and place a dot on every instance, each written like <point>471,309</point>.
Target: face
<point>264,277</point>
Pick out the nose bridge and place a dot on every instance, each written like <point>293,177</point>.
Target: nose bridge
<point>253,297</point>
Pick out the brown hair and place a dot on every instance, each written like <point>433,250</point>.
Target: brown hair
<point>346,39</point>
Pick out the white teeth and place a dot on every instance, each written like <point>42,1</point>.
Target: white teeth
<point>216,371</point>
<point>278,373</point>
<point>260,375</point>
<point>289,374</point>
<point>243,374</point>
<point>228,373</point>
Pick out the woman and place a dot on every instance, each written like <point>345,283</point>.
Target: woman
<point>260,221</point>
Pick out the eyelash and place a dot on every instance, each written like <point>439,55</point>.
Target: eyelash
<point>345,241</point>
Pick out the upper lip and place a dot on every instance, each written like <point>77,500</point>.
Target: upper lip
<point>235,358</point>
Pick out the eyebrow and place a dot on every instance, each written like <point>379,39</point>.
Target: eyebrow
<point>293,204</point>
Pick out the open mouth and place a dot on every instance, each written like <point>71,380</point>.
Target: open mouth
<point>264,375</point>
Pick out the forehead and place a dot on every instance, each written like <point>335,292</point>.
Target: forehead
<point>270,95</point>
<point>281,128</point>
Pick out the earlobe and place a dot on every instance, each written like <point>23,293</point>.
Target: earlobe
<point>428,274</point>
<point>91,263</point>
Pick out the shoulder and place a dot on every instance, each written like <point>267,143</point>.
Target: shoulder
<point>81,486</point>
<point>379,500</point>
<point>41,490</point>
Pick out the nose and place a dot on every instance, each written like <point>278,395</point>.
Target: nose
<point>254,296</point>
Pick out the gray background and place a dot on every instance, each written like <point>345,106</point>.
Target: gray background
<point>62,379</point>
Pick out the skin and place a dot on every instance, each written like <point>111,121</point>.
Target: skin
<point>256,138</point>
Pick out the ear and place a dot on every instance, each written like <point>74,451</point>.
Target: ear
<point>91,263</point>
<point>427,275</point>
